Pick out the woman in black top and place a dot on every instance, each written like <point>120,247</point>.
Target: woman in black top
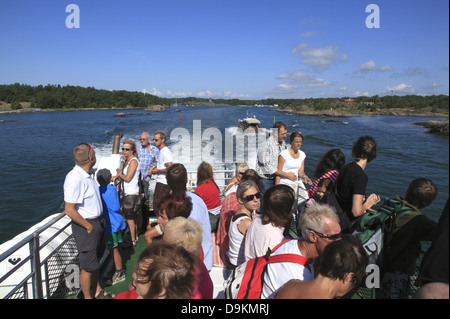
<point>351,185</point>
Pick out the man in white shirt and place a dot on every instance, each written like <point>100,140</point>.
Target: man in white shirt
<point>84,206</point>
<point>267,158</point>
<point>164,160</point>
<point>320,226</point>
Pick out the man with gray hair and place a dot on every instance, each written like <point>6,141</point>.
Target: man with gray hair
<point>148,155</point>
<point>83,205</point>
<point>319,225</point>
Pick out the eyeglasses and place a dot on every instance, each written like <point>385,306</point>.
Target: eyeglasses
<point>156,140</point>
<point>250,197</point>
<point>126,149</point>
<point>330,237</point>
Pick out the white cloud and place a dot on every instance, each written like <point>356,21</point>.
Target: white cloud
<point>385,68</point>
<point>284,88</point>
<point>368,66</point>
<point>372,66</point>
<point>153,91</point>
<point>319,82</point>
<point>318,58</point>
<point>201,94</point>
<point>296,77</point>
<point>401,89</point>
<point>357,93</point>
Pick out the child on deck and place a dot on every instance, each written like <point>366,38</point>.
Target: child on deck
<point>324,193</point>
<point>410,229</point>
<point>113,220</point>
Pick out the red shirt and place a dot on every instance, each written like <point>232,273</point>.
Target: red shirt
<point>210,194</point>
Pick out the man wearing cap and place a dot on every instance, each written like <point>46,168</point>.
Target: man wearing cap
<point>84,206</point>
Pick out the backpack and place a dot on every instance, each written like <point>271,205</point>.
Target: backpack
<point>375,228</point>
<point>246,281</point>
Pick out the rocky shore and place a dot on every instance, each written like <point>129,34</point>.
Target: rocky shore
<point>307,111</point>
<point>435,126</point>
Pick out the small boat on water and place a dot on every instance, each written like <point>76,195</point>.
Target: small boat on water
<point>251,124</point>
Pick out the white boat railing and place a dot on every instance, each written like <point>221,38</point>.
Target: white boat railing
<point>42,262</point>
<point>34,266</point>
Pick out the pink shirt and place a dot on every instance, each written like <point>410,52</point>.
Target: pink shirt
<point>260,237</point>
<point>205,286</point>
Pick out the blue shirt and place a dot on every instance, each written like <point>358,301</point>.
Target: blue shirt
<point>147,159</point>
<point>111,209</point>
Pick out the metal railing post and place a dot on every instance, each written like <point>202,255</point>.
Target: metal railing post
<point>36,267</point>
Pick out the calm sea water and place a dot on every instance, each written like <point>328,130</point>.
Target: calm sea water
<point>36,151</point>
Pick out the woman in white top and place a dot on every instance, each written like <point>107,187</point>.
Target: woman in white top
<point>292,160</point>
<point>248,196</point>
<point>129,175</point>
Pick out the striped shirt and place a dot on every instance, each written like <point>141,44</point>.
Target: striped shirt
<point>267,158</point>
<point>333,174</point>
<point>147,159</point>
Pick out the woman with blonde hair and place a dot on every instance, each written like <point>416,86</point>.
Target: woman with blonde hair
<point>129,177</point>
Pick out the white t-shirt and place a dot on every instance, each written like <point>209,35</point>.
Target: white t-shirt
<point>280,273</point>
<point>81,189</point>
<point>291,165</point>
<point>165,156</point>
<point>261,237</point>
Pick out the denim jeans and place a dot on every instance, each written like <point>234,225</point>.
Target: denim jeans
<point>265,184</point>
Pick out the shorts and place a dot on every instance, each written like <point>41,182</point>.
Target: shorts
<point>114,239</point>
<point>91,247</point>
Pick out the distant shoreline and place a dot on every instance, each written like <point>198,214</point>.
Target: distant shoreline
<point>305,111</point>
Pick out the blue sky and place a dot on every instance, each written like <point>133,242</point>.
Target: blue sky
<point>244,49</point>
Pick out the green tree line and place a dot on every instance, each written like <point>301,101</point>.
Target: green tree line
<point>57,96</point>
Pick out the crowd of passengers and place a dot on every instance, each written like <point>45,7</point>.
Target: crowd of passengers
<point>258,210</point>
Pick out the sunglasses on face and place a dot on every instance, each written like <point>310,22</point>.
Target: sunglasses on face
<point>126,149</point>
<point>250,197</point>
<point>155,139</point>
<point>330,237</point>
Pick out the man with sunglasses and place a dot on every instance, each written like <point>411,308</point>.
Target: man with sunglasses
<point>319,226</point>
<point>83,205</point>
<point>164,161</point>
